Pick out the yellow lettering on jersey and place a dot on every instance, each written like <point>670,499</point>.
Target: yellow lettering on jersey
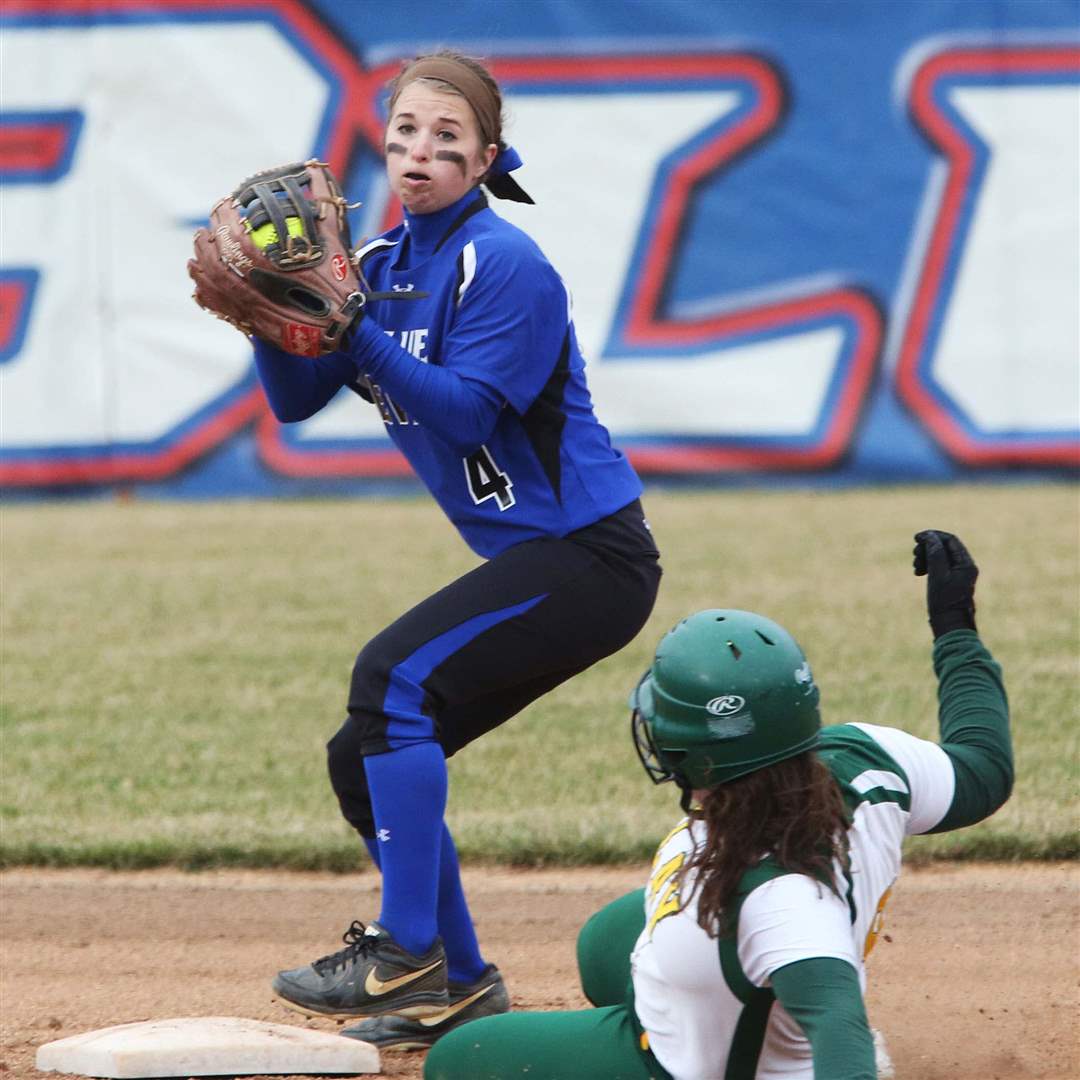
<point>658,878</point>
<point>669,904</point>
<point>876,923</point>
<point>681,827</point>
<point>665,881</point>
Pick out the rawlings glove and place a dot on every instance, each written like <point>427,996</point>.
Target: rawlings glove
<point>276,260</point>
<point>950,580</point>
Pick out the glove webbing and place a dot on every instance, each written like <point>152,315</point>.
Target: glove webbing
<point>294,249</point>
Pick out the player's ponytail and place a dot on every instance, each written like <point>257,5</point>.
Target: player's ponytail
<point>792,810</point>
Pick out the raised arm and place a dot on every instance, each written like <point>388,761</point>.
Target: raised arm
<point>973,711</point>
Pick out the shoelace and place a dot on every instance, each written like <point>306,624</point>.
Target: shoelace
<point>356,942</point>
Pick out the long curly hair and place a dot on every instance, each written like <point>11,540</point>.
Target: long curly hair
<point>792,811</point>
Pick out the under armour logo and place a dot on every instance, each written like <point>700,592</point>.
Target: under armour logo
<point>383,836</point>
<point>403,288</point>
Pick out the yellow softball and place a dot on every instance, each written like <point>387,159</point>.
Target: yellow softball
<point>265,235</point>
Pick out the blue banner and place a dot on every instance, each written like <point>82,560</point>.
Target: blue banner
<point>804,239</point>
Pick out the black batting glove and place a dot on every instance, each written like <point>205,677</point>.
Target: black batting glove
<point>950,580</point>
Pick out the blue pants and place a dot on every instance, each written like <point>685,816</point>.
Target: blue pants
<point>477,652</point>
<point>455,666</point>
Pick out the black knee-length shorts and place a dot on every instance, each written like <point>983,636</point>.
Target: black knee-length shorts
<point>478,651</point>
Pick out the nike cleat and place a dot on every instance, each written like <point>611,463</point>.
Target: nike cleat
<point>468,1001</point>
<point>371,976</point>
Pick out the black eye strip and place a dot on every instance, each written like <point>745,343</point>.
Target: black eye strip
<point>451,155</point>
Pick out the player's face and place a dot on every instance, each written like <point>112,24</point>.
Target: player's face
<point>433,149</point>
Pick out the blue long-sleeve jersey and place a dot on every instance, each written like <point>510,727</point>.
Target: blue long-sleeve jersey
<point>481,383</point>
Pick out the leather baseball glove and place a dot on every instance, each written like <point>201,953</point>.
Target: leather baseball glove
<point>276,260</point>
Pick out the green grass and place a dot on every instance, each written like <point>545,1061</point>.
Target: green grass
<point>172,671</point>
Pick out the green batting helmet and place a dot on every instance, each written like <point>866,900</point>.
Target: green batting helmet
<point>729,692</point>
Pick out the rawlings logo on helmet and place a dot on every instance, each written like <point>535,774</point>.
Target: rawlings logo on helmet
<point>727,705</point>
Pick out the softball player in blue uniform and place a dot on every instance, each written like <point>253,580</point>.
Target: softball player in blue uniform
<point>481,384</point>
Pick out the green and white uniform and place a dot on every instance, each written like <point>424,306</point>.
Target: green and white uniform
<point>696,999</point>
<point>782,996</point>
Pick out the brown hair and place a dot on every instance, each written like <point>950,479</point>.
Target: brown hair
<point>463,75</point>
<point>792,811</point>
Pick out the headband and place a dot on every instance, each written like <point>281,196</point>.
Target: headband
<point>485,106</point>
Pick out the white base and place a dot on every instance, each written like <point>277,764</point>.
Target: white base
<point>206,1046</point>
<point>884,1063</point>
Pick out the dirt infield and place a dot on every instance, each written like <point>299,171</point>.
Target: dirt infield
<point>976,977</point>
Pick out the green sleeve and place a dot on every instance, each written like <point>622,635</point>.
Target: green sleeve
<point>824,998</point>
<point>973,715</point>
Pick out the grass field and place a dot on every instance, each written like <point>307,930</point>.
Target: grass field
<point>172,671</point>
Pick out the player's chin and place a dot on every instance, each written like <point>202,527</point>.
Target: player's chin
<point>427,201</point>
<point>412,199</point>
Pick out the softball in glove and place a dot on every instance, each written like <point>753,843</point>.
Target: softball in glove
<point>276,260</point>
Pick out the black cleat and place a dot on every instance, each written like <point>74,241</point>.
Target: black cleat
<point>371,976</point>
<point>468,1001</point>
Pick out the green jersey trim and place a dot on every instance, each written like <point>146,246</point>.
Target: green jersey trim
<point>749,1036</point>
<point>757,1001</point>
<point>734,976</point>
<point>865,771</point>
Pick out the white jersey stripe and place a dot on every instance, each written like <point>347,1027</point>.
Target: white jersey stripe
<point>468,268</point>
<point>877,778</point>
<point>928,769</point>
<point>373,245</point>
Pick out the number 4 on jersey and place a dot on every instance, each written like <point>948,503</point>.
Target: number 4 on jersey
<point>487,481</point>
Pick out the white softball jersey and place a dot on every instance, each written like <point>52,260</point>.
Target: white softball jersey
<point>689,1003</point>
